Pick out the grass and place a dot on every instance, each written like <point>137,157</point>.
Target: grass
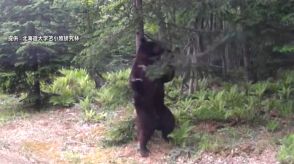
<point>72,157</point>
<point>10,108</point>
<point>228,141</point>
<point>272,125</point>
<point>179,136</point>
<point>115,92</point>
<point>120,132</point>
<point>90,114</point>
<point>70,88</point>
<point>41,150</point>
<point>286,153</point>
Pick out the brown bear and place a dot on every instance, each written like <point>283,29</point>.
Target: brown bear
<point>148,95</point>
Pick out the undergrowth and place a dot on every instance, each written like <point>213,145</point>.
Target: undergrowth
<point>286,153</point>
<point>115,92</point>
<point>120,132</point>
<point>10,108</point>
<point>70,88</point>
<point>227,103</point>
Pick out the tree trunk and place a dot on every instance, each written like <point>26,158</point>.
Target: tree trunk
<point>191,83</point>
<point>224,66</point>
<point>139,18</point>
<point>89,23</point>
<point>36,90</point>
<point>161,23</point>
<point>247,64</point>
<point>227,56</point>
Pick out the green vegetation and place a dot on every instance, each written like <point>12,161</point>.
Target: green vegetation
<point>234,102</point>
<point>272,125</point>
<point>10,108</point>
<point>90,114</point>
<point>70,88</point>
<point>121,132</point>
<point>115,92</point>
<point>286,153</point>
<point>31,59</point>
<point>7,81</point>
<point>230,103</point>
<point>180,135</point>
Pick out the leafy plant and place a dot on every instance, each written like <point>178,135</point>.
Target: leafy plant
<point>115,92</point>
<point>259,88</point>
<point>10,108</point>
<point>179,135</point>
<point>202,84</point>
<point>212,108</point>
<point>207,143</point>
<point>286,108</point>
<point>89,113</point>
<point>272,125</point>
<point>69,88</point>
<point>7,82</point>
<point>120,132</point>
<point>286,153</point>
<point>65,100</point>
<point>182,108</point>
<point>285,92</point>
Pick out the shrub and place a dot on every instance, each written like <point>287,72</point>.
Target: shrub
<point>11,108</point>
<point>69,88</point>
<point>259,88</point>
<point>208,143</point>
<point>89,112</point>
<point>286,108</point>
<point>121,132</point>
<point>272,125</point>
<point>116,91</point>
<point>7,82</point>
<point>286,153</point>
<point>179,135</point>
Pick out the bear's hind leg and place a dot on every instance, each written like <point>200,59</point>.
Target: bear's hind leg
<point>146,122</point>
<point>167,123</point>
<point>144,137</point>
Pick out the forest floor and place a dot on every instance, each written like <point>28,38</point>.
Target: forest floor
<point>60,136</point>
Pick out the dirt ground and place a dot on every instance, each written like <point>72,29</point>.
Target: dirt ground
<point>60,136</point>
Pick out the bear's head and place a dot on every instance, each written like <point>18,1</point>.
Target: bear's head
<point>150,48</point>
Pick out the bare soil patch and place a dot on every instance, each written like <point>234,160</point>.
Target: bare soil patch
<point>60,136</point>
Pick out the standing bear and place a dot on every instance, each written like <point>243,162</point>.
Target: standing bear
<point>152,114</point>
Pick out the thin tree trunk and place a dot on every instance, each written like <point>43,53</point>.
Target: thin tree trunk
<point>227,56</point>
<point>36,88</point>
<point>35,91</point>
<point>89,23</point>
<point>224,64</point>
<point>161,23</point>
<point>191,83</point>
<point>247,67</point>
<point>140,22</point>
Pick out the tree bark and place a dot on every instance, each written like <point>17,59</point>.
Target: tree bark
<point>247,64</point>
<point>36,90</point>
<point>139,19</point>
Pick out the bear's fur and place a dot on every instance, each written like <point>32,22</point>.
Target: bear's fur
<point>149,96</point>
